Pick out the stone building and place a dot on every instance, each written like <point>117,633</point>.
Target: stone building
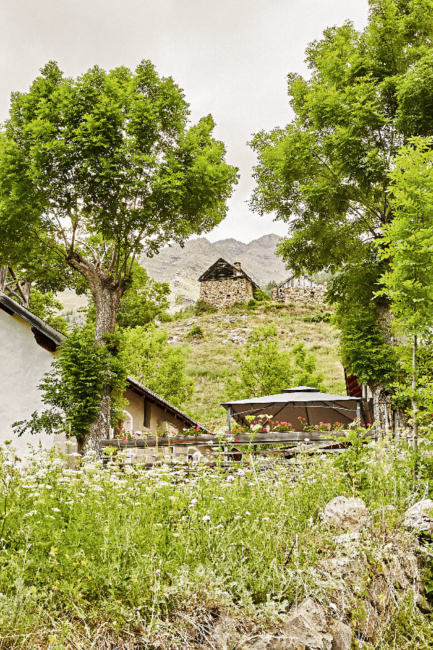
<point>223,284</point>
<point>302,289</point>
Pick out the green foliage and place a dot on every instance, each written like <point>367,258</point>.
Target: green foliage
<point>262,296</point>
<point>354,461</point>
<point>319,317</point>
<point>73,387</point>
<point>165,317</point>
<point>159,366</point>
<point>326,173</point>
<point>264,369</point>
<point>98,170</point>
<point>195,332</point>
<point>203,307</point>
<point>45,305</point>
<point>269,288</point>
<point>186,312</point>
<point>364,335</point>
<point>408,239</point>
<point>143,301</point>
<point>137,176</point>
<point>130,549</point>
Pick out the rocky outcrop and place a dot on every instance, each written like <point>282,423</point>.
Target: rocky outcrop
<point>348,513</point>
<point>366,578</point>
<point>420,517</point>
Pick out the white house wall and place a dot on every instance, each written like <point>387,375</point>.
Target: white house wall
<point>23,363</point>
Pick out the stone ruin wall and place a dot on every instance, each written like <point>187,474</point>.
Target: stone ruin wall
<point>303,295</point>
<point>223,293</point>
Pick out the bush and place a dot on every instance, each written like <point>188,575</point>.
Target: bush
<point>203,307</point>
<point>158,365</point>
<point>319,317</point>
<point>253,304</point>
<point>195,332</point>
<point>262,296</point>
<point>187,312</point>
<point>165,317</point>
<point>264,369</point>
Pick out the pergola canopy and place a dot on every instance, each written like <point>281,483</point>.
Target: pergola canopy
<point>299,402</point>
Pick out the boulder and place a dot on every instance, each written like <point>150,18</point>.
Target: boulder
<point>348,513</point>
<point>351,569</point>
<point>305,629</point>
<point>417,517</point>
<point>307,625</point>
<point>342,636</point>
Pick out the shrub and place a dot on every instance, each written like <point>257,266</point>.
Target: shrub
<point>165,317</point>
<point>186,312</point>
<point>161,367</point>
<point>319,317</point>
<point>203,307</point>
<point>195,332</point>
<point>264,369</point>
<point>262,296</point>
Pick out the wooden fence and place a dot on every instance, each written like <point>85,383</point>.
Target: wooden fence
<point>228,445</point>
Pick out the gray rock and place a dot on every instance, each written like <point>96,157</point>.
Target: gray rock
<point>417,517</point>
<point>305,629</point>
<point>307,625</point>
<point>350,569</point>
<point>349,513</point>
<point>342,636</point>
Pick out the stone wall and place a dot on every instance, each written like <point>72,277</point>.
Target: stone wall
<point>223,293</point>
<point>303,295</point>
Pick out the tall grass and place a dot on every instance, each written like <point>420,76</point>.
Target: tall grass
<point>126,547</point>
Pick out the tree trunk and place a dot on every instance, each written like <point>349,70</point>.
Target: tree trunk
<point>382,409</point>
<point>107,295</point>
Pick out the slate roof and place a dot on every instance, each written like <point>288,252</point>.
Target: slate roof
<point>46,335</point>
<point>221,268</point>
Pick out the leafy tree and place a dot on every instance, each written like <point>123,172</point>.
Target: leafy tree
<point>100,169</point>
<point>326,173</point>
<point>408,245</point>
<point>72,388</point>
<point>143,301</point>
<point>46,306</point>
<point>270,287</point>
<point>159,366</point>
<point>264,369</point>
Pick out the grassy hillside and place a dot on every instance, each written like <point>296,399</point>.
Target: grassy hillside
<point>211,358</point>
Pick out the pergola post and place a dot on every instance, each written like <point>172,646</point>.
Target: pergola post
<point>358,413</point>
<point>229,415</point>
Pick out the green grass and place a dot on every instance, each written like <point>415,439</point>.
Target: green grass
<point>104,551</point>
<point>211,359</point>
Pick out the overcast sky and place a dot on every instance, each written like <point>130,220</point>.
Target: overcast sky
<point>230,56</point>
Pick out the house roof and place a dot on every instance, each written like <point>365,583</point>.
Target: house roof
<point>50,338</point>
<point>46,335</point>
<point>291,277</point>
<point>161,402</point>
<point>223,269</point>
